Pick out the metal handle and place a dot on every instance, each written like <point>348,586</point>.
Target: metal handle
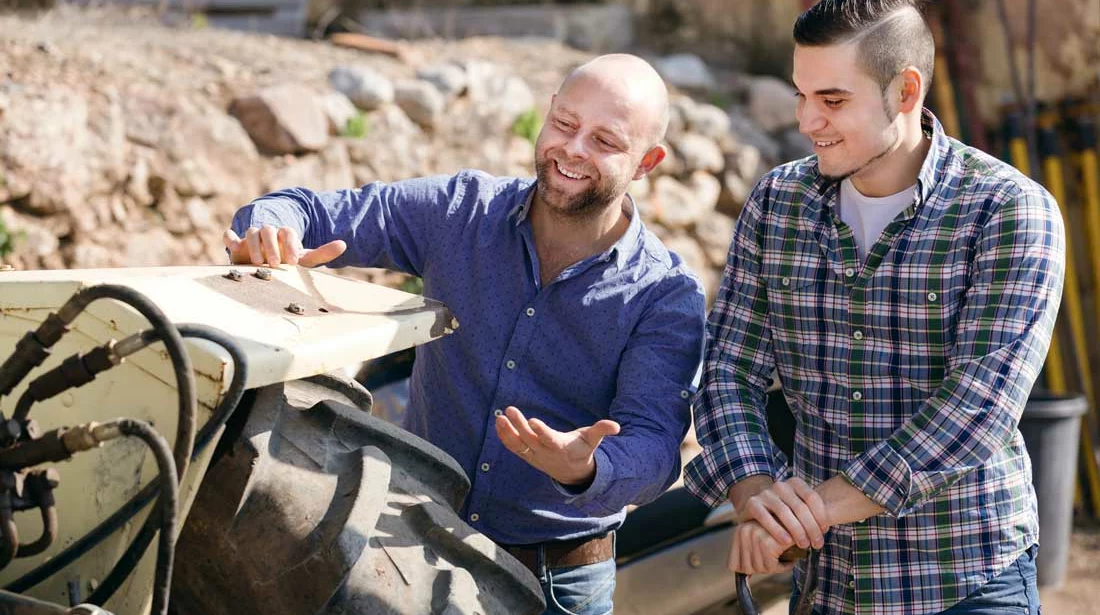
<point>744,594</point>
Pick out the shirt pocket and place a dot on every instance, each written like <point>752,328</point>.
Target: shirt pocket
<point>926,317</point>
<point>795,307</point>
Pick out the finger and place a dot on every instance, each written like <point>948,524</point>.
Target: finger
<point>233,243</point>
<point>595,434</point>
<point>758,511</point>
<point>809,525</point>
<point>269,241</point>
<point>813,500</point>
<point>289,245</point>
<point>522,426</point>
<point>252,238</point>
<point>547,436</point>
<point>776,499</point>
<point>736,562</point>
<point>323,254</point>
<point>508,435</point>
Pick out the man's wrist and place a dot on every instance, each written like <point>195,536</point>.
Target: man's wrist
<point>741,491</point>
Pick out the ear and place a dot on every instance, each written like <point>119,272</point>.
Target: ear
<point>911,92</point>
<point>651,159</point>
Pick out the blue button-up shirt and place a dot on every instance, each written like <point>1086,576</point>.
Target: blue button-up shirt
<point>618,335</point>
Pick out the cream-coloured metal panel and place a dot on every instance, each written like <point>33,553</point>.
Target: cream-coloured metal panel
<point>336,322</point>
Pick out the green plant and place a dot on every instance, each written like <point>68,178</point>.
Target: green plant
<point>199,21</point>
<point>413,285</point>
<point>7,239</point>
<point>528,125</point>
<point>356,126</point>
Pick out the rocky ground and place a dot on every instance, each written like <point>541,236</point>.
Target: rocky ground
<point>126,143</point>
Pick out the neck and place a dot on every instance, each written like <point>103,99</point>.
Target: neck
<point>573,238</point>
<point>899,168</point>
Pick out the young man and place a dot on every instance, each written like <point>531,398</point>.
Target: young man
<point>904,287</point>
<point>564,394</point>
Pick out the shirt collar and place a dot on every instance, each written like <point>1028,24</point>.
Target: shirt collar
<point>628,244</point>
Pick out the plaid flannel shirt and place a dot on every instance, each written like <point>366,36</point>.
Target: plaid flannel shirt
<point>907,373</point>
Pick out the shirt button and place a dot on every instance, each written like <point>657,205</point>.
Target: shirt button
<point>530,311</point>
<point>857,396</point>
<point>851,584</point>
<point>474,517</point>
<point>498,412</point>
<point>484,467</point>
<point>850,272</point>
<point>684,395</point>
<point>858,335</point>
<point>510,364</point>
<point>933,296</point>
<point>786,281</point>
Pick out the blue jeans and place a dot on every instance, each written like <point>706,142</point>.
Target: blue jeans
<point>1013,591</point>
<point>579,590</point>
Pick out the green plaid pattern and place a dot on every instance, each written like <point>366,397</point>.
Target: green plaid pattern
<point>907,373</point>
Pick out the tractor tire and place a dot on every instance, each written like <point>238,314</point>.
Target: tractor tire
<point>316,507</point>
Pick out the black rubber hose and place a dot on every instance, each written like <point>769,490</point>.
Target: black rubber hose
<point>173,342</point>
<point>744,595</point>
<point>49,533</point>
<point>10,534</point>
<point>166,509</point>
<point>134,552</point>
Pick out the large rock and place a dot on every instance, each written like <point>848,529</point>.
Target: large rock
<point>678,205</point>
<point>329,169</point>
<point>688,249</point>
<point>339,109</point>
<point>715,232</point>
<point>749,132</point>
<point>56,148</point>
<point>283,119</point>
<point>699,153</point>
<point>366,88</point>
<point>794,145</point>
<point>448,78</point>
<point>708,120</point>
<point>496,97</point>
<point>772,103</point>
<point>421,101</point>
<point>686,71</point>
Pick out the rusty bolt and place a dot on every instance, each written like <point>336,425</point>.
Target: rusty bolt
<point>263,273</point>
<point>235,275</point>
<point>296,308</point>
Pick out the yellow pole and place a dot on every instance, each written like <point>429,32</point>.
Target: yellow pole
<point>1055,182</point>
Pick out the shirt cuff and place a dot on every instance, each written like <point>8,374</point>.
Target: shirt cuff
<point>884,476</point>
<point>595,491</point>
<point>710,475</point>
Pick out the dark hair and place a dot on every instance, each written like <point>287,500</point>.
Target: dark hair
<point>891,34</point>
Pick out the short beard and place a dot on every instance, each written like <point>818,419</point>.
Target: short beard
<point>586,204</point>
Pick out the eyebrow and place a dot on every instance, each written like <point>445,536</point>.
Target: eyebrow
<point>833,92</point>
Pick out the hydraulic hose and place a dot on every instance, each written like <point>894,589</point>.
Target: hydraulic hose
<point>140,543</point>
<point>56,324</point>
<point>110,525</point>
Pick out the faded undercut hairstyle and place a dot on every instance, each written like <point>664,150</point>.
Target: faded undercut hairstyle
<point>890,34</point>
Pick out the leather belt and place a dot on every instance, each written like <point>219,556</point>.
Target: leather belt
<point>566,554</point>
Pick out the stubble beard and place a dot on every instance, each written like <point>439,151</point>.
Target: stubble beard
<point>587,204</point>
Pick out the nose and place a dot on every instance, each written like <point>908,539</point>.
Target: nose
<point>574,145</point>
<point>810,120</point>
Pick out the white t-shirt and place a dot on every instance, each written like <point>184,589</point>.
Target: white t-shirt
<point>868,216</point>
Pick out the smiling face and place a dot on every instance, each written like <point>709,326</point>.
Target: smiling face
<point>592,145</point>
<point>854,125</point>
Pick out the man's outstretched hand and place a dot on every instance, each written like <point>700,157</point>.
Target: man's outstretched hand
<point>270,246</point>
<point>567,457</point>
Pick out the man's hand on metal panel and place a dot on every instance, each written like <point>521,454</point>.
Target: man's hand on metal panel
<point>271,246</point>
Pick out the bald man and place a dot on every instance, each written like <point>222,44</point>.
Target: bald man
<point>564,395</point>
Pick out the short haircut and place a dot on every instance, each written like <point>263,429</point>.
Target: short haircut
<point>890,34</point>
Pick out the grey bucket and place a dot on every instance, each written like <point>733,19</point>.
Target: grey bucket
<point>1051,425</point>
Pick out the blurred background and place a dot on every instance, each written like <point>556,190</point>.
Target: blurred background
<point>130,131</point>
